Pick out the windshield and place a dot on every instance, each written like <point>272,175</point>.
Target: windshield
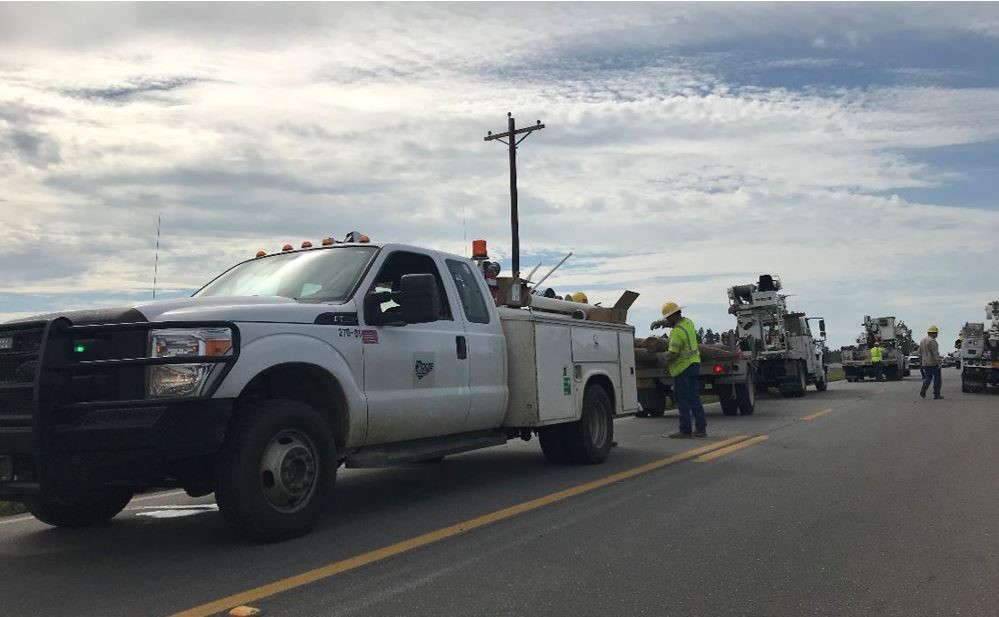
<point>327,275</point>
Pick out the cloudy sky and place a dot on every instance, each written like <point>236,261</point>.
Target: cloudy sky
<point>853,149</point>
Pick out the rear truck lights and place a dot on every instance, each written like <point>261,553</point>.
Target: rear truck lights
<point>185,379</point>
<point>719,369</point>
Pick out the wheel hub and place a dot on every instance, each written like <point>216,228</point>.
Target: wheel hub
<point>288,471</point>
<point>598,426</point>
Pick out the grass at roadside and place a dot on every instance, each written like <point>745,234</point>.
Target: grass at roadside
<point>7,508</point>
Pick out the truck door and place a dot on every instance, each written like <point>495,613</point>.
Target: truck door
<point>416,376</point>
<point>486,347</point>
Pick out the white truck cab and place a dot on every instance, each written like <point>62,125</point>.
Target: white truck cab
<point>285,367</point>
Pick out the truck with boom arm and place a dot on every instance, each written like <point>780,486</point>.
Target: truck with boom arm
<point>979,348</point>
<point>785,354</point>
<point>896,339</point>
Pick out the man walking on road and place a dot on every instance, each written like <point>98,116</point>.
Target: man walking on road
<point>878,360</point>
<point>929,354</point>
<point>684,363</point>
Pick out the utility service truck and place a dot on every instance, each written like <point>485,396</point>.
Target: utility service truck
<point>287,366</point>
<point>979,347</point>
<point>896,340</point>
<point>785,355</point>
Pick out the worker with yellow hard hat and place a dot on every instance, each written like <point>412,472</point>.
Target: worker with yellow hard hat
<point>878,361</point>
<point>580,297</point>
<point>929,354</point>
<point>684,364</point>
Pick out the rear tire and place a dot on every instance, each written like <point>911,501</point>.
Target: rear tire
<point>799,381</point>
<point>726,396</point>
<point>822,386</point>
<point>276,468</point>
<point>589,439</point>
<point>84,513</point>
<point>553,444</point>
<point>745,396</point>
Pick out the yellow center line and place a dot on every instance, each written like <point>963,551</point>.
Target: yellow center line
<point>817,414</point>
<point>720,452</point>
<point>352,563</point>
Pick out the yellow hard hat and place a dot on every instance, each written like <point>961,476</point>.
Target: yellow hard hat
<point>670,307</point>
<point>933,329</point>
<point>580,297</point>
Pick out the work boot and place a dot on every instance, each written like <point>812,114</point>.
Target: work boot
<point>678,435</point>
<point>700,433</point>
<point>937,396</point>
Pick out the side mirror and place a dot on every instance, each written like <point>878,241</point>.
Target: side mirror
<point>822,327</point>
<point>418,298</point>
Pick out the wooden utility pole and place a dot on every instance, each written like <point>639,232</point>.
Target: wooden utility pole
<point>509,138</point>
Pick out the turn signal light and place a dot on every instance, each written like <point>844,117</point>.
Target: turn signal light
<point>328,241</point>
<point>306,245</point>
<point>286,247</point>
<point>261,253</point>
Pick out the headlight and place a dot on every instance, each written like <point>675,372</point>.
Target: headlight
<point>174,380</point>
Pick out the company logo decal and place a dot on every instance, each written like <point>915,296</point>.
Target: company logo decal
<point>422,369</point>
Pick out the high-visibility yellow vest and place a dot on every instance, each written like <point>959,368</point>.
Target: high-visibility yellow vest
<point>877,353</point>
<point>683,341</point>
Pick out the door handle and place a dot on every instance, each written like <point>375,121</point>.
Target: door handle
<point>461,346</point>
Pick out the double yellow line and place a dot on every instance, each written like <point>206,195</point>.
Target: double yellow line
<point>713,450</point>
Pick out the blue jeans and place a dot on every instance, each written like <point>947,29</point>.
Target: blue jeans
<point>932,373</point>
<point>687,395</point>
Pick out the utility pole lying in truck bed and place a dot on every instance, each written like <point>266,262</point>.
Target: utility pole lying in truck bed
<point>726,373</point>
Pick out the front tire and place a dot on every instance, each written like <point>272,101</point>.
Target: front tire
<point>277,466</point>
<point>83,513</point>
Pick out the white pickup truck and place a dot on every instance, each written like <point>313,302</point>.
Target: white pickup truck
<point>283,368</point>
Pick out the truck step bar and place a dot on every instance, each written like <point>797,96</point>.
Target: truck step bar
<point>425,449</point>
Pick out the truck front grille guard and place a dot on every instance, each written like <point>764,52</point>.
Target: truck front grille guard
<point>60,367</point>
<point>36,358</point>
<point>37,369</point>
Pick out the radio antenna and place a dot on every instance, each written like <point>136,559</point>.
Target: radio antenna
<point>156,262</point>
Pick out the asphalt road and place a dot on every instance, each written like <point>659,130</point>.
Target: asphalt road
<point>861,500</point>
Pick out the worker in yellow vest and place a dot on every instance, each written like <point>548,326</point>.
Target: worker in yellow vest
<point>683,361</point>
<point>878,360</point>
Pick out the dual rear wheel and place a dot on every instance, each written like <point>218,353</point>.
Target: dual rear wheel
<point>586,441</point>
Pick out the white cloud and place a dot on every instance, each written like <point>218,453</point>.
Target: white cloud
<point>359,117</point>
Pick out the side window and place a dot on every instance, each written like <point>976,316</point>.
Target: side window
<point>395,267</point>
<point>469,291</point>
